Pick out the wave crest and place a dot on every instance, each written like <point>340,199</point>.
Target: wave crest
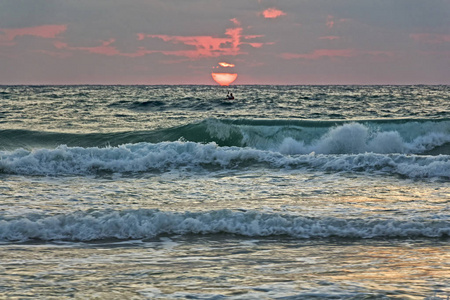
<point>144,224</point>
<point>170,156</point>
<point>355,138</point>
<point>285,136</point>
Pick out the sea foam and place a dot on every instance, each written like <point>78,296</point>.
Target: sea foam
<point>144,224</point>
<point>355,138</point>
<point>169,156</point>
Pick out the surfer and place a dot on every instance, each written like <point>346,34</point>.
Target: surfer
<point>230,96</point>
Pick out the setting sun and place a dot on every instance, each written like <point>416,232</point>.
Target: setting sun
<point>224,79</point>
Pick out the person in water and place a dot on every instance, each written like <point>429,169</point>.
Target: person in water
<point>230,96</point>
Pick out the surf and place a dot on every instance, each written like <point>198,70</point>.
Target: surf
<point>150,223</point>
<point>404,136</point>
<point>196,157</point>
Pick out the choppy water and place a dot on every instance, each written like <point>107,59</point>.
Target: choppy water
<point>171,192</point>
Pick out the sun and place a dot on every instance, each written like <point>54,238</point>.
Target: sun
<point>224,79</point>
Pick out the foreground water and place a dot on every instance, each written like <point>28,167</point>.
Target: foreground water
<point>171,192</point>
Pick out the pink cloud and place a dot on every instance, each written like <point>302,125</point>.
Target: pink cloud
<point>105,48</point>
<point>195,46</point>
<point>235,22</point>
<point>272,13</point>
<point>141,36</point>
<point>205,46</point>
<point>330,21</point>
<point>257,45</point>
<point>235,34</point>
<point>208,46</point>
<point>430,38</point>
<point>7,36</point>
<point>255,36</point>
<point>44,31</point>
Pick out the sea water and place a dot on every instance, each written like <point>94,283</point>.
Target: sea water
<point>173,192</point>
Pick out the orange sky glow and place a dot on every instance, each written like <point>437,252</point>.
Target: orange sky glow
<point>226,65</point>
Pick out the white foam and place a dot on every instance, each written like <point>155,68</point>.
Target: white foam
<point>354,138</point>
<point>141,224</point>
<point>146,157</point>
<point>387,142</point>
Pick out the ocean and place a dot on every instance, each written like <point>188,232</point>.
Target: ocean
<point>173,192</point>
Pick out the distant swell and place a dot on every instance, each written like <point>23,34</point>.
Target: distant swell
<point>189,156</point>
<point>143,224</point>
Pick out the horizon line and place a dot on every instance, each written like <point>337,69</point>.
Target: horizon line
<point>229,86</point>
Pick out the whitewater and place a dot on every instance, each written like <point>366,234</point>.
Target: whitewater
<point>173,192</point>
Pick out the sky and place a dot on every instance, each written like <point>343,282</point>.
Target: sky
<point>184,41</point>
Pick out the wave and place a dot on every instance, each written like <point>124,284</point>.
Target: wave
<point>405,136</point>
<point>146,224</point>
<point>409,148</point>
<point>338,137</point>
<point>190,156</point>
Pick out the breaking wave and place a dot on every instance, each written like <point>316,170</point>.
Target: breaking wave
<point>413,149</point>
<point>145,224</point>
<point>168,156</point>
<point>284,136</point>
